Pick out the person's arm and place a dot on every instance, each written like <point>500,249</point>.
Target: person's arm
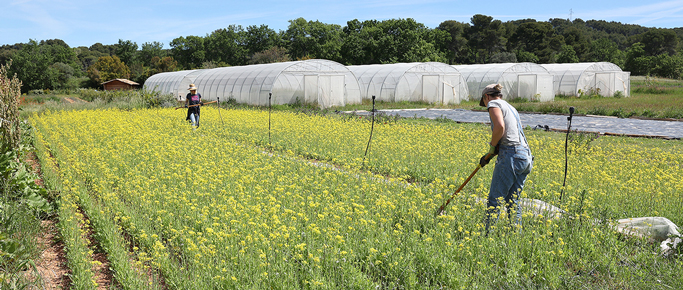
<point>187,101</point>
<point>498,125</point>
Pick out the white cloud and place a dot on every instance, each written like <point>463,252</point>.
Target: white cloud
<point>643,14</point>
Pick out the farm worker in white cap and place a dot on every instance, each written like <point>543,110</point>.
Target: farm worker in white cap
<point>193,98</point>
<point>514,160</point>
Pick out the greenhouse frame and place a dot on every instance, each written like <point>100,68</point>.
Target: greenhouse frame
<point>175,83</point>
<point>603,78</point>
<point>431,82</point>
<point>519,80</point>
<point>314,81</point>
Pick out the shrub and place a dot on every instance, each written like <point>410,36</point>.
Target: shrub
<point>597,111</point>
<point>10,91</point>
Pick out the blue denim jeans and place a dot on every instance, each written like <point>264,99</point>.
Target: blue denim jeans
<point>512,167</point>
<point>195,119</point>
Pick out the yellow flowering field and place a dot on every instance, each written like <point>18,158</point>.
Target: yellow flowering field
<point>223,208</point>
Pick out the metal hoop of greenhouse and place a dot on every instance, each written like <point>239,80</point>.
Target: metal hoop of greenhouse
<point>519,80</point>
<point>603,78</point>
<point>431,82</point>
<point>175,83</point>
<point>322,82</point>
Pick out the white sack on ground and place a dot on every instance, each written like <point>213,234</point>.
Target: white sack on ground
<point>657,229</point>
<point>536,207</point>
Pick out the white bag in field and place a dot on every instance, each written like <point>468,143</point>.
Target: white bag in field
<point>538,207</point>
<point>657,229</point>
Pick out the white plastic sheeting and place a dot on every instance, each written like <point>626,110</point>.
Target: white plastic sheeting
<point>175,83</point>
<point>322,82</point>
<point>431,82</point>
<point>519,80</point>
<point>605,78</point>
<point>657,229</point>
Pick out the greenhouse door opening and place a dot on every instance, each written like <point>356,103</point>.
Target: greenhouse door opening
<point>603,84</point>
<point>430,89</point>
<point>526,86</point>
<point>326,90</point>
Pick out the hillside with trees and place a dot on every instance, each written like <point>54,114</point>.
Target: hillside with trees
<point>52,64</point>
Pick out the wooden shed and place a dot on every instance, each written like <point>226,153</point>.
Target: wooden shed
<point>119,84</point>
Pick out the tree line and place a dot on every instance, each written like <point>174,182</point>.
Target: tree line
<point>52,64</point>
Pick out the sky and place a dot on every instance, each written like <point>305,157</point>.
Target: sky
<point>86,22</point>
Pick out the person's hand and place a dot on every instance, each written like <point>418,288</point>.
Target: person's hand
<point>185,105</point>
<point>201,103</point>
<point>485,160</point>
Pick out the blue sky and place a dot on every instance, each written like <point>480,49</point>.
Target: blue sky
<point>86,22</point>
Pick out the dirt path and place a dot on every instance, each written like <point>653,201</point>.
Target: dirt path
<point>52,271</point>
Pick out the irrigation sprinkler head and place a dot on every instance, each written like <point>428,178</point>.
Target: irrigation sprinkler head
<point>571,113</point>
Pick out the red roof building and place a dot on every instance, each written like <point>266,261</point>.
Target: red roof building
<point>119,84</point>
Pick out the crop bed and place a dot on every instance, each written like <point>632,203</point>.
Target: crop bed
<point>227,207</point>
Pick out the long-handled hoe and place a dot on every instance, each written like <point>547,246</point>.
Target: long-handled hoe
<point>443,206</point>
<point>196,105</point>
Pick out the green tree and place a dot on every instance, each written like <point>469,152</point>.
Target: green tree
<point>457,44</point>
<point>260,38</point>
<point>575,37</point>
<point>271,55</point>
<point>226,46</point>
<point>360,42</point>
<point>189,52</point>
<point>104,49</point>
<point>534,37</point>
<point>567,55</point>
<point>6,52</point>
<point>393,40</point>
<point>35,65</point>
<point>604,49</point>
<point>313,39</point>
<point>525,56</point>
<point>668,66</point>
<point>485,37</point>
<point>126,51</point>
<point>659,41</point>
<point>149,51</point>
<point>164,64</point>
<point>637,61</point>
<point>108,68</point>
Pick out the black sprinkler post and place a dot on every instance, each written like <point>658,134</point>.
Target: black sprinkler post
<point>372,128</point>
<point>270,95</point>
<point>566,140</point>
<point>219,112</point>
